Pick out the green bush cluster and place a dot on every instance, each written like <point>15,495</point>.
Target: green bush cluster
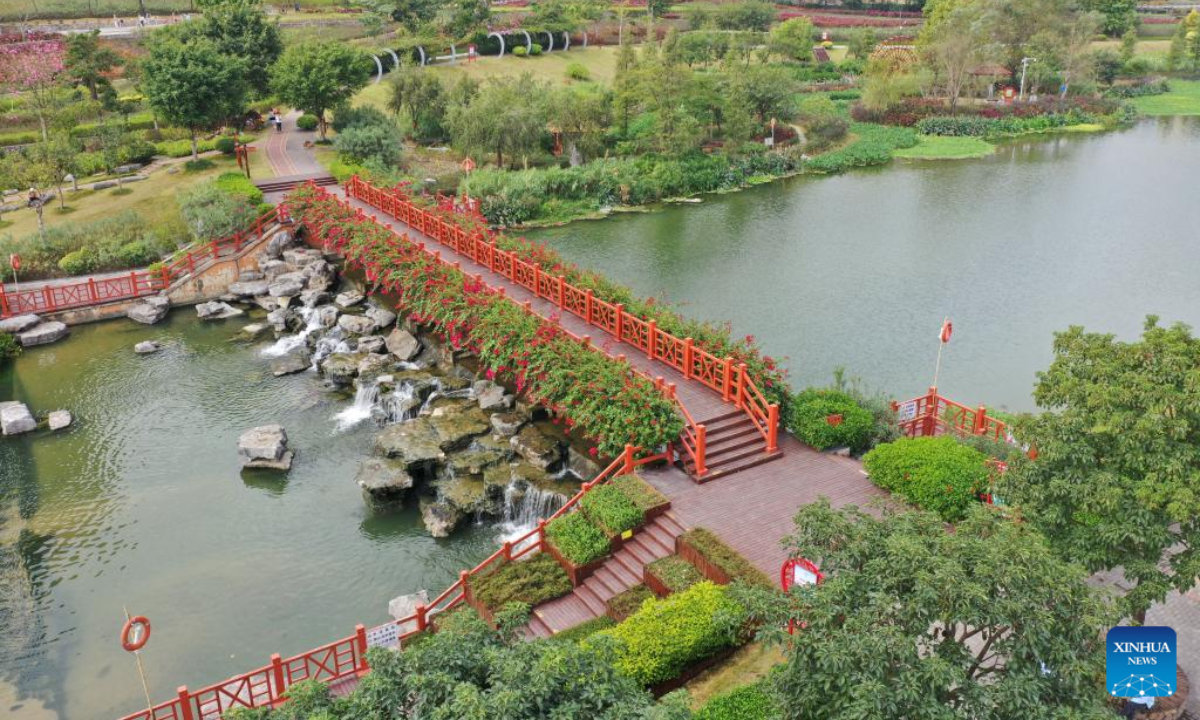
<point>577,538</point>
<point>9,347</point>
<point>675,572</point>
<point>520,51</point>
<point>811,409</point>
<point>212,213</point>
<point>977,126</point>
<point>307,122</point>
<point>624,604</point>
<point>183,148</point>
<point>584,630</point>
<point>532,581</point>
<point>749,702</point>
<point>367,136</point>
<point>225,145</point>
<point>664,637</point>
<point>611,510</point>
<point>578,71</point>
<point>936,474</point>
<point>729,560</point>
<point>238,185</point>
<point>642,494</point>
<point>873,146</point>
<point>114,243</point>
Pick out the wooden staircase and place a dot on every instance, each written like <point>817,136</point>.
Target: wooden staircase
<point>284,184</point>
<point>621,571</point>
<point>733,444</point>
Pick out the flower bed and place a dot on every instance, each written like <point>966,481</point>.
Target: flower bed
<point>533,581</point>
<point>716,561</point>
<point>584,629</point>
<point>669,575</point>
<point>605,398</point>
<point>622,605</point>
<point>644,496</point>
<point>578,545</point>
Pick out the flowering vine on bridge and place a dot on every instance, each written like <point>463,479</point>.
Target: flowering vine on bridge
<point>605,399</point>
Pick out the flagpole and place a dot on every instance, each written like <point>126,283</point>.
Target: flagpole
<point>941,343</point>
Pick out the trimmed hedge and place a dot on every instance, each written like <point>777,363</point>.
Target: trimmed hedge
<point>532,581</point>
<point>622,605</point>
<point>749,702</point>
<point>938,474</point>
<point>642,494</point>
<point>664,637</point>
<point>577,538</point>
<point>610,510</point>
<point>675,573</point>
<point>584,630</point>
<point>234,183</point>
<point>724,557</point>
<point>811,407</point>
<point>307,122</point>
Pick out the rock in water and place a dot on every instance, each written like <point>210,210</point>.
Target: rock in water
<point>15,418</point>
<point>253,331</point>
<point>537,448</point>
<point>249,288</point>
<point>340,368</point>
<point>357,324</point>
<point>19,323</point>
<point>216,311</point>
<point>406,606</point>
<point>414,443</point>
<point>370,344</point>
<point>383,479</point>
<point>507,424</point>
<point>149,310</point>
<point>43,334</point>
<point>455,430</point>
<point>440,518</point>
<point>59,419</point>
<point>403,345</point>
<point>349,298</point>
<point>265,447</point>
<point>147,346</point>
<point>296,360</point>
<point>287,285</point>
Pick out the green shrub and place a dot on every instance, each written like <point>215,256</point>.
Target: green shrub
<point>578,71</point>
<point>749,702</point>
<point>624,604</point>
<point>198,165</point>
<point>307,122</point>
<point>610,510</point>
<point>664,637</point>
<point>99,245</point>
<point>360,117</point>
<point>136,151</point>
<point>183,148</point>
<point>713,549</point>
<point>225,145</point>
<point>532,581</point>
<point>238,185</point>
<point>364,143</point>
<point>520,51</point>
<point>862,153</point>
<point>642,494</point>
<point>936,474</point>
<point>9,347</point>
<point>675,572</point>
<point>137,253</point>
<point>584,630</point>
<point>535,49</point>
<point>78,262</point>
<point>577,539</point>
<point>211,213</point>
<point>811,407</point>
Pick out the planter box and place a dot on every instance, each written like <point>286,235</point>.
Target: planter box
<point>656,511</point>
<point>691,672</point>
<point>577,573</point>
<point>706,568</point>
<point>651,581</point>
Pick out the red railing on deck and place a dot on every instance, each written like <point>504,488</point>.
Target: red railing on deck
<point>931,414</point>
<point>721,375</point>
<point>138,283</point>
<point>343,659</point>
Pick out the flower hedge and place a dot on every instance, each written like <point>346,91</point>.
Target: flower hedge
<point>610,403</point>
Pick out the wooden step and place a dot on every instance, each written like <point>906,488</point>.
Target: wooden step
<point>591,599</point>
<point>656,543</point>
<point>659,532</point>
<point>730,466</point>
<point>670,524</point>
<point>732,435</point>
<point>640,554</point>
<point>629,565</point>
<point>713,455</point>
<point>537,627</point>
<point>606,580</point>
<point>626,576</point>
<point>729,418</point>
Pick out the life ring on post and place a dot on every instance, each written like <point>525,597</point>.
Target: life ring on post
<point>135,633</point>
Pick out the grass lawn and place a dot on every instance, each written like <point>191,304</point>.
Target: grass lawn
<point>1184,99</point>
<point>934,147</point>
<point>153,199</point>
<point>41,9</point>
<point>745,666</point>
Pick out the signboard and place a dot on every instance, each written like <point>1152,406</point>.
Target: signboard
<point>468,165</point>
<point>14,261</point>
<point>799,571</point>
<point>907,411</point>
<point>384,636</point>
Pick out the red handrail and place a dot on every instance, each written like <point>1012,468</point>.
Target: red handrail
<point>92,291</point>
<point>932,414</point>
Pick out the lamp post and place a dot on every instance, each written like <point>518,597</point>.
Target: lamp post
<point>1024,67</point>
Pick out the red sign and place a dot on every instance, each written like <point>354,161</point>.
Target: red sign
<point>468,165</point>
<point>15,261</point>
<point>799,571</point>
<point>947,331</point>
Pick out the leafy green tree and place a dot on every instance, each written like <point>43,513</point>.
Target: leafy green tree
<point>421,96</point>
<point>626,94</point>
<point>1120,16</point>
<point>379,143</point>
<point>770,90</point>
<point>34,168</point>
<point>87,61</point>
<point>1118,458</point>
<point>467,16</point>
<point>862,43</point>
<point>913,621</point>
<point>193,85</point>
<point>956,38</point>
<point>240,28</point>
<point>504,118</point>
<point>792,39</point>
<point>750,15</point>
<point>582,114</point>
<point>317,76</point>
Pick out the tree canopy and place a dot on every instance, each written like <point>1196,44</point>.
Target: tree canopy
<point>242,30</point>
<point>317,76</point>
<point>1116,478</point>
<point>193,84</point>
<point>505,117</point>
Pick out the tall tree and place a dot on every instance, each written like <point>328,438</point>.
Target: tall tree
<point>956,38</point>
<point>193,85</point>
<point>1115,481</point>
<point>34,68</point>
<point>87,61</point>
<point>582,115</point>
<point>504,118</point>
<point>241,29</point>
<point>317,76</point>
<point>1120,16</point>
<point>792,39</point>
<point>421,96</point>
<point>913,621</point>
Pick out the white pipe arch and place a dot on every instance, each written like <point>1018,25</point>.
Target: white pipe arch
<point>566,40</point>
<point>550,47</point>
<point>453,54</point>
<point>585,37</point>
<point>499,37</point>
<point>421,50</point>
<point>528,41</point>
<point>395,59</point>
<point>378,68</point>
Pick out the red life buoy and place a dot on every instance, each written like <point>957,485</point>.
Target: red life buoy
<point>135,633</point>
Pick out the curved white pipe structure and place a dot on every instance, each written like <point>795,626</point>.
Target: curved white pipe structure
<point>395,60</point>
<point>550,47</point>
<point>421,50</point>
<point>585,38</point>
<point>378,68</point>
<point>453,53</point>
<point>566,40</point>
<point>528,41</point>
<point>499,37</point>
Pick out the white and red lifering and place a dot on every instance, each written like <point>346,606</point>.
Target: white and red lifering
<point>135,633</point>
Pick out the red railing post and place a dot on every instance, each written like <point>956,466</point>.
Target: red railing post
<point>589,307</point>
<point>541,533</point>
<point>537,281</point>
<point>48,296</point>
<point>688,349</point>
<point>4,311</point>
<point>562,291</point>
<point>507,547</point>
<point>279,684</point>
<point>772,427</point>
<point>166,277</point>
<point>191,263</point>
<point>981,420</point>
<point>628,456</point>
<point>185,703</point>
<point>929,424</point>
<point>727,380</point>
<point>619,313</point>
<point>422,623</point>
<point>360,639</point>
<point>464,577</point>
<point>92,290</point>
<point>740,401</point>
<point>651,332</point>
<point>701,441</point>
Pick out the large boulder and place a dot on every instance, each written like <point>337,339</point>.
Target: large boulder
<point>536,447</point>
<point>403,344</point>
<point>301,256</point>
<point>406,606</point>
<point>147,347</point>
<point>491,397</point>
<point>440,517</point>
<point>455,430</point>
<point>298,359</point>
<point>417,382</point>
<point>581,465</point>
<point>59,419</point>
<point>217,311</point>
<point>43,334</point>
<point>283,240</point>
<point>341,368</point>
<point>15,418</point>
<point>280,319</point>
<point>349,299</point>
<point>149,311</point>
<point>374,365</point>
<point>253,331</point>
<point>475,461</point>
<point>326,316</point>
<point>383,479</point>
<point>265,446</point>
<point>313,298</point>
<point>287,285</point>
<point>19,323</point>
<point>414,443</point>
<point>249,288</point>
<point>357,324</point>
<point>371,344</point>
<point>471,495</point>
<point>507,424</point>
<point>272,269</point>
<point>382,317</point>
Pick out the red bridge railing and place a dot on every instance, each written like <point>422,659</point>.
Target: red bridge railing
<point>931,414</point>
<point>720,375</point>
<point>138,283</point>
<point>345,660</point>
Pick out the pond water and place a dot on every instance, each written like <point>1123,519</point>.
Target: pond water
<point>142,505</point>
<point>859,270</point>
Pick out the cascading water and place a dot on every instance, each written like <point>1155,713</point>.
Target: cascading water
<point>288,343</point>
<point>524,506</point>
<point>365,400</point>
<point>397,406</point>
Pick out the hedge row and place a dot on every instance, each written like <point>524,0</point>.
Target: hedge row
<point>642,494</point>
<point>937,474</point>
<point>984,127</point>
<point>675,573</point>
<point>713,549</point>
<point>624,604</point>
<point>584,630</point>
